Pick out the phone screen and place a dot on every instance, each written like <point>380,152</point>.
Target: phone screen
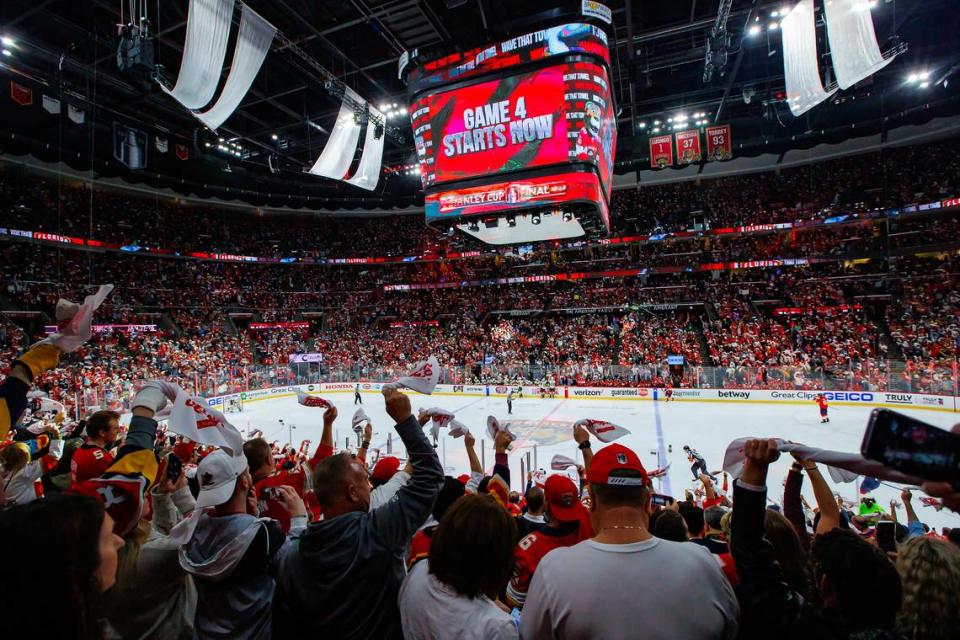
<point>912,446</point>
<point>887,535</point>
<point>174,467</point>
<point>660,500</point>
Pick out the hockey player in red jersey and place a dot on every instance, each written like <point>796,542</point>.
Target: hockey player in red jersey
<point>821,401</point>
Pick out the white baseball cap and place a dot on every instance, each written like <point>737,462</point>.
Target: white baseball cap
<point>217,474</point>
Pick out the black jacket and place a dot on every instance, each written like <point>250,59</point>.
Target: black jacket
<point>343,576</point>
<point>769,608</point>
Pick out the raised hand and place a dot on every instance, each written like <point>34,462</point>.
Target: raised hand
<point>290,500</point>
<point>397,405</point>
<point>329,415</point>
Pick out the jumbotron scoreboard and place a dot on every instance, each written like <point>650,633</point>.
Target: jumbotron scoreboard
<point>516,140</point>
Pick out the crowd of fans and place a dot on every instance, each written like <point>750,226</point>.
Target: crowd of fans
<point>147,534</point>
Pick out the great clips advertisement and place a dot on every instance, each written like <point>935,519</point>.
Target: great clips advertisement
<point>558,115</point>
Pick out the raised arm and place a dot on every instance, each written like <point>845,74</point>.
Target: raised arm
<point>13,390</point>
<point>365,444</point>
<point>501,465</point>
<point>829,511</point>
<point>397,520</point>
<point>581,435</point>
<point>469,442</point>
<point>325,448</point>
<point>792,502</point>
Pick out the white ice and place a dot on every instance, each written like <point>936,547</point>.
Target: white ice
<point>656,427</point>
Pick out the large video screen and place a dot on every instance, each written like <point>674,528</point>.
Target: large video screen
<point>555,115</point>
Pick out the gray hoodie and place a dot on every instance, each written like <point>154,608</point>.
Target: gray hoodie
<point>231,559</point>
<point>342,576</point>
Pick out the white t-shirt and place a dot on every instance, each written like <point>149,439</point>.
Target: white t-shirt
<point>430,609</point>
<point>650,589</point>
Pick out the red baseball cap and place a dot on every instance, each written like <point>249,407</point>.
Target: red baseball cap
<point>616,457</point>
<point>385,468</point>
<point>464,478</point>
<point>563,499</point>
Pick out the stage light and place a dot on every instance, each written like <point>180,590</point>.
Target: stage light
<point>384,106</point>
<point>208,145</point>
<point>924,85</point>
<point>656,123</point>
<point>656,130</point>
<point>642,124</point>
<point>7,52</point>
<point>774,26</point>
<point>403,111</point>
<point>924,75</point>
<point>7,41</point>
<point>754,30</point>
<point>774,13</point>
<point>670,119</point>
<point>274,137</point>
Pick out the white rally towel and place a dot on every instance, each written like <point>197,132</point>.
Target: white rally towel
<point>312,401</point>
<point>74,320</point>
<point>422,379</point>
<point>494,426</point>
<point>602,430</point>
<point>561,462</point>
<point>192,417</point>
<point>439,418</point>
<point>458,429</point>
<point>359,417</point>
<point>843,467</point>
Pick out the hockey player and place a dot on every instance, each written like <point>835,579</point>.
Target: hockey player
<point>821,401</point>
<point>698,465</point>
<point>668,393</point>
<point>510,401</point>
<point>356,395</point>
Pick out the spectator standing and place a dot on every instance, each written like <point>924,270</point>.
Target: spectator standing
<point>342,578</point>
<point>624,582</point>
<point>94,457</point>
<point>452,594</point>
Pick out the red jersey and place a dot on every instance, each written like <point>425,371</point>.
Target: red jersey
<point>822,403</point>
<point>269,506</point>
<point>88,462</point>
<point>419,546</point>
<point>527,557</point>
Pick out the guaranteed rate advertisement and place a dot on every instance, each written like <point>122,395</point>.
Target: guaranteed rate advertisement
<point>558,115</point>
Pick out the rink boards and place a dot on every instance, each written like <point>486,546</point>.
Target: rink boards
<point>890,400</point>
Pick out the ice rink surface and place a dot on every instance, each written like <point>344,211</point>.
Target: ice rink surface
<point>659,431</point>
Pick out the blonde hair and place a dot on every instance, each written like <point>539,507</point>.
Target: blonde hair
<point>13,458</point>
<point>930,570</point>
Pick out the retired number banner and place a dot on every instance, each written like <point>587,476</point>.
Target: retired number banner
<point>719,143</point>
<point>688,146</point>
<point>661,151</point>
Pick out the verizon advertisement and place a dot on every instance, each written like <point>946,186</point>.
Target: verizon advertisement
<point>556,115</point>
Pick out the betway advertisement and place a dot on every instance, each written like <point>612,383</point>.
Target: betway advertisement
<point>556,115</point>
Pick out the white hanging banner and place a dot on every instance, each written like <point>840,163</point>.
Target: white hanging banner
<point>208,30</point>
<point>800,63</point>
<point>253,43</point>
<point>853,41</point>
<point>368,173</point>
<point>334,161</point>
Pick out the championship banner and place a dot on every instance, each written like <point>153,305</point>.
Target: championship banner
<point>301,358</point>
<point>688,146</point>
<point>661,152</point>
<point>262,326</point>
<point>719,143</point>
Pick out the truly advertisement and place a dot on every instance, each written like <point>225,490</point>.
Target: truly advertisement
<point>544,191</point>
<point>529,47</point>
<point>898,398</point>
<point>555,115</point>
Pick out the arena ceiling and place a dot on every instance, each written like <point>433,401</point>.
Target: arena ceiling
<point>658,59</point>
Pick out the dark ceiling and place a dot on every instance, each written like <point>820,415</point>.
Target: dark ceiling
<point>658,61</point>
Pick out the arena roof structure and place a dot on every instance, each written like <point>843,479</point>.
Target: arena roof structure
<point>716,61</point>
